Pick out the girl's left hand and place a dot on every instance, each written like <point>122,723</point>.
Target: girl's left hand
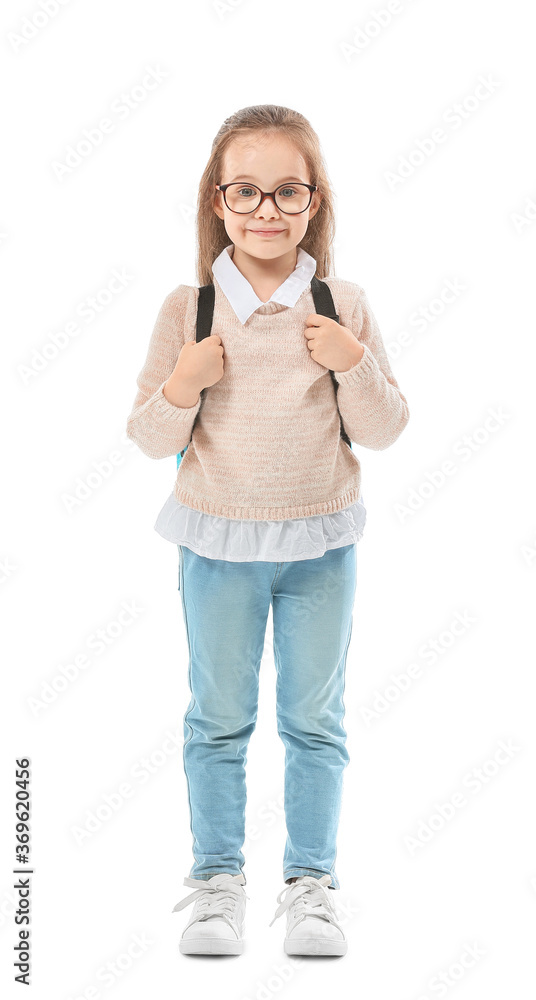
<point>332,345</point>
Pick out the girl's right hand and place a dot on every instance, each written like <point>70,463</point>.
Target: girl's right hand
<point>201,364</point>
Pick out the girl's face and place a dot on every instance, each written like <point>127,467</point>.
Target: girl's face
<point>266,162</point>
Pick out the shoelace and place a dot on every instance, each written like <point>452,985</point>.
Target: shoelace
<point>309,899</point>
<point>216,898</point>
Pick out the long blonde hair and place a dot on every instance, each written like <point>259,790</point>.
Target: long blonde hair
<point>264,119</point>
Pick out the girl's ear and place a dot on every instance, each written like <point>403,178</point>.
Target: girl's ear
<point>218,204</point>
<point>315,203</point>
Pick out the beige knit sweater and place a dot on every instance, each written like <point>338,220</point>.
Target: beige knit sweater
<point>266,441</point>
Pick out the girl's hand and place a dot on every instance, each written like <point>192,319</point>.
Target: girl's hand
<point>201,364</point>
<point>332,345</point>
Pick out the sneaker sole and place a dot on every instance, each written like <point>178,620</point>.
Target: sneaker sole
<point>315,946</point>
<point>210,946</point>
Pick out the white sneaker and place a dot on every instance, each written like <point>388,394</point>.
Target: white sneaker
<point>312,927</point>
<point>217,923</point>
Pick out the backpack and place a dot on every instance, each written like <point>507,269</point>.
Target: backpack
<point>324,306</point>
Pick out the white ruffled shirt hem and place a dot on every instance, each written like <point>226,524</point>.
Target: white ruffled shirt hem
<point>252,541</point>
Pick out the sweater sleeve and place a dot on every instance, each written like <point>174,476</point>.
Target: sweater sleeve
<point>373,410</point>
<point>159,428</point>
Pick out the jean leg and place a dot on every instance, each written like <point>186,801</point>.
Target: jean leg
<point>225,608</point>
<point>312,615</point>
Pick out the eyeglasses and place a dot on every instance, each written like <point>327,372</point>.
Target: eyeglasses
<point>292,199</point>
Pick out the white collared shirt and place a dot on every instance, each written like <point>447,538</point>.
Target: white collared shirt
<point>244,540</point>
<point>240,294</point>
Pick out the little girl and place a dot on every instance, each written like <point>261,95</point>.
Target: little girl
<point>266,509</point>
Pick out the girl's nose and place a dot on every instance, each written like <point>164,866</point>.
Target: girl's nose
<point>267,205</point>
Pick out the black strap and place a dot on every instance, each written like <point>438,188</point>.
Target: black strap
<point>323,299</point>
<point>205,312</point>
<point>324,306</point>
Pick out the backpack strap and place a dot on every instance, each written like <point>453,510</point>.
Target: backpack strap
<point>324,306</point>
<point>323,298</point>
<point>203,326</point>
<point>205,312</point>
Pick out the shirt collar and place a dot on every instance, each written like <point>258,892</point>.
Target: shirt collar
<point>240,294</point>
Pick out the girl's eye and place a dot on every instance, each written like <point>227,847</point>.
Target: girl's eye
<point>249,192</point>
<point>284,191</point>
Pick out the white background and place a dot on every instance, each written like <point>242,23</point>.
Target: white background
<point>467,547</point>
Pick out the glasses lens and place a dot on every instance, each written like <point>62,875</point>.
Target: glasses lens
<point>291,198</point>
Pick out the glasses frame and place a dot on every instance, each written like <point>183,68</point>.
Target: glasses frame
<point>268,194</point>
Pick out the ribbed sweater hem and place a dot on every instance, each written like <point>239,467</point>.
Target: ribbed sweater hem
<point>267,513</point>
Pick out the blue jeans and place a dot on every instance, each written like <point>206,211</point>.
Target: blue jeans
<point>225,607</point>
